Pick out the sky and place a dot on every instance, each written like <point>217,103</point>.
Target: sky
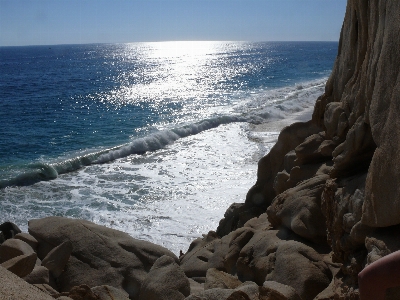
<point>51,22</point>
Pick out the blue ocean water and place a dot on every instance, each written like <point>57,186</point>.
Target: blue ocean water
<point>71,113</point>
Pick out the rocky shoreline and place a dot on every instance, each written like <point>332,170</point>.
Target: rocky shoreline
<point>325,205</point>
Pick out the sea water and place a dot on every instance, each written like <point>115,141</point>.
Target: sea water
<point>153,139</point>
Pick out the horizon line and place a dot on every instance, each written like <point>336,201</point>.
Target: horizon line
<point>172,41</point>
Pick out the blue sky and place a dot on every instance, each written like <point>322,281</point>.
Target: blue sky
<point>49,22</point>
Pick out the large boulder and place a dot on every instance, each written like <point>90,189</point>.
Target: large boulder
<point>278,291</point>
<point>302,268</point>
<point>100,255</point>
<point>165,281</point>
<point>212,252</point>
<point>308,151</point>
<point>236,216</point>
<point>39,275</point>
<point>299,209</point>
<point>21,265</point>
<point>262,193</point>
<point>12,248</point>
<point>257,258</point>
<point>220,279</point>
<point>57,258</point>
<point>27,238</point>
<point>282,256</point>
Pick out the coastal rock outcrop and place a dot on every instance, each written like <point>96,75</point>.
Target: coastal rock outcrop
<point>331,184</point>
<point>100,255</point>
<point>165,281</point>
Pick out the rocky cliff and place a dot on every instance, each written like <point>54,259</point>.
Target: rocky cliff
<point>326,202</point>
<point>334,181</point>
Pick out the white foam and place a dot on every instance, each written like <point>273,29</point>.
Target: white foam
<point>182,188</point>
<point>169,196</point>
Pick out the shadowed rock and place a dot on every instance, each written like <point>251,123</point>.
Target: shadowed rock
<point>106,292</point>
<point>57,258</point>
<point>9,230</point>
<point>219,279</point>
<point>262,193</point>
<point>27,238</point>
<point>278,291</point>
<point>21,265</point>
<point>12,248</point>
<point>165,281</point>
<point>39,275</point>
<point>299,209</point>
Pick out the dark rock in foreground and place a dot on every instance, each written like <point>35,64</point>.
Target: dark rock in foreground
<point>100,255</point>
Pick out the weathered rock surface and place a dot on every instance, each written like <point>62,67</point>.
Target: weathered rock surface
<point>21,265</point>
<point>299,209</point>
<point>280,291</point>
<point>13,287</point>
<point>82,292</point>
<point>100,256</point>
<point>333,180</point>
<point>12,248</point>
<point>47,289</point>
<point>220,279</point>
<point>106,292</point>
<point>249,291</point>
<point>262,193</point>
<point>363,93</point>
<point>165,281</point>
<point>39,275</point>
<point>57,258</point>
<point>27,238</point>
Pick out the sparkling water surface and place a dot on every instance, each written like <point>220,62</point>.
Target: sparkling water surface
<point>149,138</point>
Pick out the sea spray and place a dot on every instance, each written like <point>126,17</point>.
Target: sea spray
<point>133,137</point>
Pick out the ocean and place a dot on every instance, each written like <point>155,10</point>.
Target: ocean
<point>154,139</point>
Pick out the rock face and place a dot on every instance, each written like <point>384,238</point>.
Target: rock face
<point>100,256</point>
<point>362,96</point>
<point>12,248</point>
<point>13,287</point>
<point>21,265</point>
<point>166,280</point>
<point>330,187</point>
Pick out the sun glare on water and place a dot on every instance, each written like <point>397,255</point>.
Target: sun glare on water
<point>160,74</point>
